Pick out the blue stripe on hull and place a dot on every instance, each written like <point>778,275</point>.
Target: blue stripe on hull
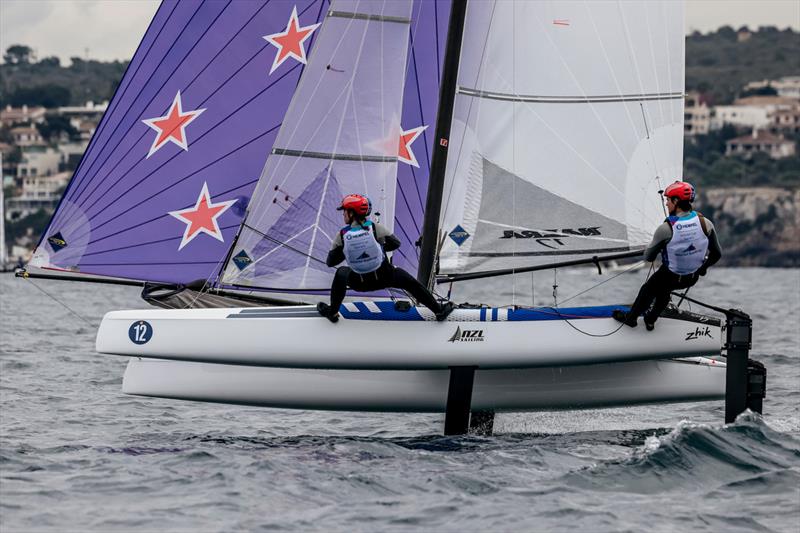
<point>386,311</point>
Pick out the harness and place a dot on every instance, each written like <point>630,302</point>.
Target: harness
<point>686,250</point>
<point>363,252</point>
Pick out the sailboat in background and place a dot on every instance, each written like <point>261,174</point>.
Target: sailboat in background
<point>501,137</point>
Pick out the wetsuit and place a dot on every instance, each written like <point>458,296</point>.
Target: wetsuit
<point>677,271</point>
<point>386,275</point>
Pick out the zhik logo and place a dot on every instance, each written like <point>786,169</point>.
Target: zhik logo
<point>467,335</point>
<point>697,333</point>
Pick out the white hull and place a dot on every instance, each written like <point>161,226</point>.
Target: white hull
<point>575,387</point>
<point>375,337</point>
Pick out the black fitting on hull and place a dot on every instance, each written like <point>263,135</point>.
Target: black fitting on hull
<point>745,379</point>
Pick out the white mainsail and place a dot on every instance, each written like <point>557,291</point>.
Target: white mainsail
<point>567,122</point>
<point>339,136</point>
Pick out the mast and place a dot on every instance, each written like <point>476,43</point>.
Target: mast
<point>433,204</point>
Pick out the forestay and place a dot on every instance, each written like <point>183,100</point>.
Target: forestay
<point>339,136</point>
<point>567,122</point>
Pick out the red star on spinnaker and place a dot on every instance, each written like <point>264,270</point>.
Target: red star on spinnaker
<point>404,152</point>
<point>172,126</point>
<point>290,42</point>
<point>202,218</point>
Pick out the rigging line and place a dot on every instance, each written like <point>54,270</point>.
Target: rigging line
<point>677,147</point>
<point>576,328</point>
<point>150,263</point>
<point>349,90</point>
<point>164,215</point>
<point>438,52</point>
<point>284,244</point>
<point>236,275</point>
<point>86,197</point>
<point>258,193</point>
<point>361,164</point>
<point>245,64</point>
<point>446,203</point>
<point>610,66</point>
<point>514,147</point>
<point>654,63</point>
<point>295,102</point>
<point>106,116</point>
<point>68,308</point>
<point>632,267</point>
<point>632,57</point>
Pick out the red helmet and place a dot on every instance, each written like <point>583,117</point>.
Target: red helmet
<point>360,205</point>
<point>680,190</point>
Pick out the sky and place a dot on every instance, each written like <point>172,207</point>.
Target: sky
<point>111,29</point>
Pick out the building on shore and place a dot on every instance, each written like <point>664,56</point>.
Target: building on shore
<point>38,192</point>
<point>696,115</point>
<point>37,161</point>
<point>787,86</point>
<point>750,112</point>
<point>760,141</point>
<point>27,136</point>
<point>785,121</point>
<point>9,116</point>
<point>84,118</point>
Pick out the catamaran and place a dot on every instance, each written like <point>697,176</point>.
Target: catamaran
<point>493,137</point>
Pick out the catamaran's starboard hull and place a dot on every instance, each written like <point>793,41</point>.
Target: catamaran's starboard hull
<point>576,387</point>
<point>374,336</point>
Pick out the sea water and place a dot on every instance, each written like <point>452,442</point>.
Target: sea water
<point>78,455</point>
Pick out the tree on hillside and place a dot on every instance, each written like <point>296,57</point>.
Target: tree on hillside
<point>52,61</point>
<point>18,54</point>
<point>49,95</point>
<point>54,126</point>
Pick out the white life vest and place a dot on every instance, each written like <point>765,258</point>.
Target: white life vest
<point>364,254</point>
<point>686,250</point>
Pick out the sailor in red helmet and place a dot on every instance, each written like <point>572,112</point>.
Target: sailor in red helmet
<point>363,244</point>
<point>688,245</point>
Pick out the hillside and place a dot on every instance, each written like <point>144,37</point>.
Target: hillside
<point>719,64</point>
<point>49,84</point>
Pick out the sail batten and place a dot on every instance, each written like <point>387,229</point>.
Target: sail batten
<point>570,99</point>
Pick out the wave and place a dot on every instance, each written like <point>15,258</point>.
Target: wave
<point>698,456</point>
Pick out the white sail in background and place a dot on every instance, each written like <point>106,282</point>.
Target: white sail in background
<point>339,136</point>
<point>568,121</point>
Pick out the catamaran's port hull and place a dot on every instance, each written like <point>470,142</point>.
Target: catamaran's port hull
<point>375,337</point>
<point>574,387</point>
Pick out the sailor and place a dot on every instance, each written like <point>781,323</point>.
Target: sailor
<point>688,245</point>
<point>363,244</point>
